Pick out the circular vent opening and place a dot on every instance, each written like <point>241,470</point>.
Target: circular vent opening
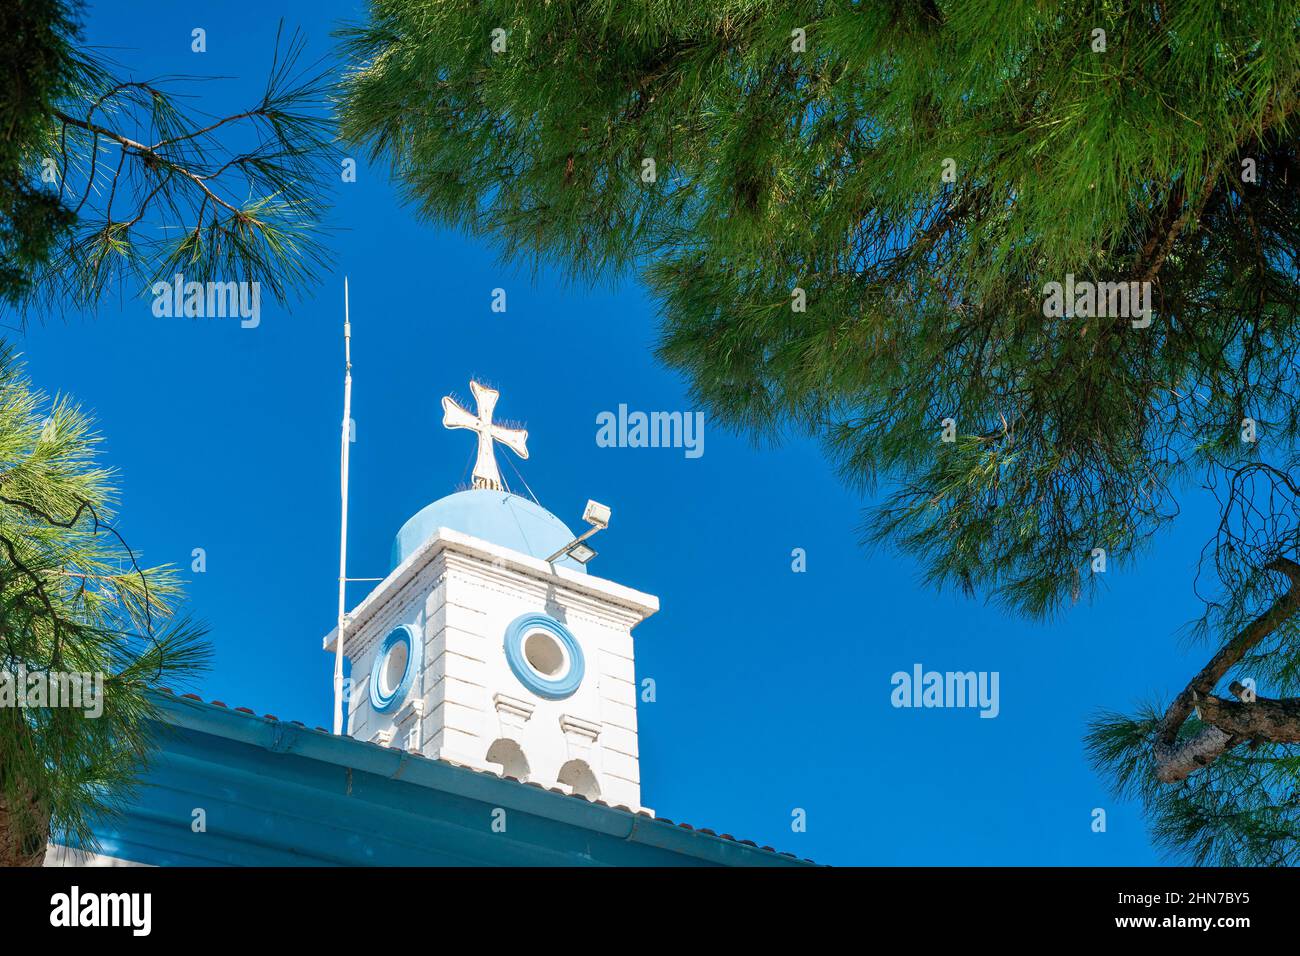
<point>544,654</point>
<point>390,678</point>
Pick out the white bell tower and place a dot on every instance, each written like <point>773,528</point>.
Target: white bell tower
<point>484,648</point>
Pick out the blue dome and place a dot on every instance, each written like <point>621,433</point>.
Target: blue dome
<point>495,516</point>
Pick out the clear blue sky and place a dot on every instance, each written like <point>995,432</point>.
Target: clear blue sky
<point>773,687</point>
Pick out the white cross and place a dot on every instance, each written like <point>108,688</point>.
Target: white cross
<point>486,474</point>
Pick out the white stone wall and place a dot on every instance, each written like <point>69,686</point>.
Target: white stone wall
<point>461,594</point>
<point>56,854</point>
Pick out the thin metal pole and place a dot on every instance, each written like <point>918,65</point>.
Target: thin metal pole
<point>343,523</point>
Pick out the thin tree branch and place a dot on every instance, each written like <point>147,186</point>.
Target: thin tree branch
<point>149,153</point>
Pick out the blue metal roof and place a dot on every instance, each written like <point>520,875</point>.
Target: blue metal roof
<point>277,793</point>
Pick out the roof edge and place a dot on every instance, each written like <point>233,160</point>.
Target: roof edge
<point>243,726</point>
<point>447,539</point>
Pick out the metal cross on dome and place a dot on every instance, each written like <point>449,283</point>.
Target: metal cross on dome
<point>486,474</point>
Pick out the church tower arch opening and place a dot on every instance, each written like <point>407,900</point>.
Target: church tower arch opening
<point>509,756</point>
<point>579,779</point>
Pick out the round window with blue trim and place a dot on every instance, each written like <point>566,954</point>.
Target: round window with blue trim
<point>396,663</point>
<point>544,656</point>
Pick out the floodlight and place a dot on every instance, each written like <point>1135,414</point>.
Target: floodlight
<point>582,553</point>
<point>596,514</point>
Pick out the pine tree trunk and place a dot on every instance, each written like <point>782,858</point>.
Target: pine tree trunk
<point>19,845</point>
<point>24,816</point>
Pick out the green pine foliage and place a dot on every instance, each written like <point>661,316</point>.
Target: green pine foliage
<point>109,183</point>
<point>73,599</point>
<point>34,48</point>
<point>1242,809</point>
<point>920,171</point>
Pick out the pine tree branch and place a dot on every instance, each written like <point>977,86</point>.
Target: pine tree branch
<point>235,193</point>
<point>1262,718</point>
<point>1199,751</point>
<point>147,153</point>
<point>1230,723</point>
<point>1176,761</point>
<point>1161,243</point>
